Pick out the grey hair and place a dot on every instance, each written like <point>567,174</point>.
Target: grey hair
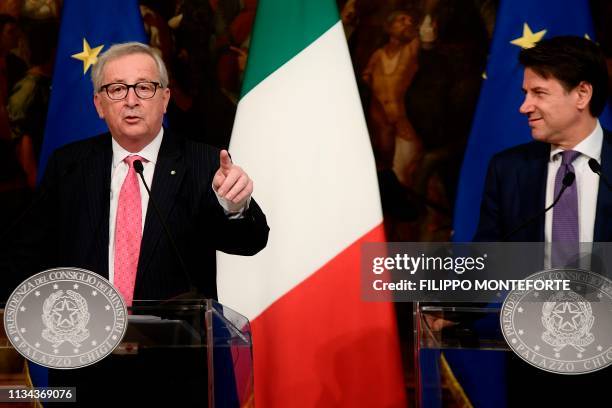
<point>121,50</point>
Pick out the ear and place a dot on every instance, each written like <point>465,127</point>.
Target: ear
<point>584,92</point>
<point>98,104</point>
<point>166,96</point>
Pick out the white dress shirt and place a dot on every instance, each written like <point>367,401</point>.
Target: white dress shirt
<point>119,172</point>
<point>587,184</point>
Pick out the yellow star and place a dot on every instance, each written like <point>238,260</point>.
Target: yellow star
<point>89,56</point>
<point>529,38</point>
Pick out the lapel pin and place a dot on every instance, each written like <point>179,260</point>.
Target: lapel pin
<point>173,172</point>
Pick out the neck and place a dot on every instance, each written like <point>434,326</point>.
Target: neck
<point>393,44</point>
<point>580,131</point>
<point>134,146</point>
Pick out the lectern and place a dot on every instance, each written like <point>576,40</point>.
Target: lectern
<point>477,332</point>
<point>195,353</point>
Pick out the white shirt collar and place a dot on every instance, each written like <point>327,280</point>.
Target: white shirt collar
<point>149,152</point>
<point>589,146</point>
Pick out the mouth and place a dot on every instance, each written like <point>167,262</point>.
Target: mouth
<point>533,121</point>
<point>131,119</point>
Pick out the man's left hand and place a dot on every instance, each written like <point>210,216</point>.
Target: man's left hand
<point>231,182</point>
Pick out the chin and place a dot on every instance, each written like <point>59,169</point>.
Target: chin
<point>135,132</point>
<point>538,136</point>
<point>545,138</point>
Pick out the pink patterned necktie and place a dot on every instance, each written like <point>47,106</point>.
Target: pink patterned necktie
<point>128,233</point>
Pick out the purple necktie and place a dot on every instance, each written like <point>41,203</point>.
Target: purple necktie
<point>565,231</point>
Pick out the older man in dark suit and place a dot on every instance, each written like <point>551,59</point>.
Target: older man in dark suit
<point>94,212</point>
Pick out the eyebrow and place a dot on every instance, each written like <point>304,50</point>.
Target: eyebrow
<point>536,89</point>
<point>139,79</point>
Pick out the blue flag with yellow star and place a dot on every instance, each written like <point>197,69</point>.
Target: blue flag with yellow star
<point>88,28</point>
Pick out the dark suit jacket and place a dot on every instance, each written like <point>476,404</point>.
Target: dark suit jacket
<point>69,225</point>
<point>515,191</point>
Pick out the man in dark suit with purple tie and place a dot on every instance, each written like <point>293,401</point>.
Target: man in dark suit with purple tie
<point>565,85</point>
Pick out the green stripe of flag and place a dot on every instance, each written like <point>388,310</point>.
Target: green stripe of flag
<point>282,29</point>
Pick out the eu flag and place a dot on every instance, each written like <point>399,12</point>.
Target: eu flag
<point>88,28</point>
<point>497,123</point>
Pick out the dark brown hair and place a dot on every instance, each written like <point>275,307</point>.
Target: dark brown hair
<point>571,60</point>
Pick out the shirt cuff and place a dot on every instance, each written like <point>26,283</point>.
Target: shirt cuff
<point>232,210</point>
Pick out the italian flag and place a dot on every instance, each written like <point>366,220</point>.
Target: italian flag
<point>301,136</point>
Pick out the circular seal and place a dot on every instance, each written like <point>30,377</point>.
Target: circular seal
<point>561,331</point>
<point>65,318</point>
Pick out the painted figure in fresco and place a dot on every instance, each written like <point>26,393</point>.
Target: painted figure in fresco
<point>29,99</point>
<point>389,73</point>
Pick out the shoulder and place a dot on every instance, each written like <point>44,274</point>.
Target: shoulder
<point>606,144</point>
<point>523,152</point>
<point>376,55</point>
<point>100,140</point>
<point>79,149</point>
<point>200,155</point>
<point>411,48</point>
<point>76,155</point>
<point>199,148</point>
<point>517,158</point>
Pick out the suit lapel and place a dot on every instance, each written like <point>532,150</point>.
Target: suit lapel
<point>603,215</point>
<point>96,179</point>
<point>167,178</point>
<point>532,190</point>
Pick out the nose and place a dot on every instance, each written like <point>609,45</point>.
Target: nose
<point>131,99</point>
<point>527,106</point>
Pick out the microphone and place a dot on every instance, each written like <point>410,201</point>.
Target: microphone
<point>192,289</point>
<point>596,168</point>
<point>567,181</point>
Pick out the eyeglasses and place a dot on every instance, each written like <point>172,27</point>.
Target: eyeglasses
<point>118,91</point>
